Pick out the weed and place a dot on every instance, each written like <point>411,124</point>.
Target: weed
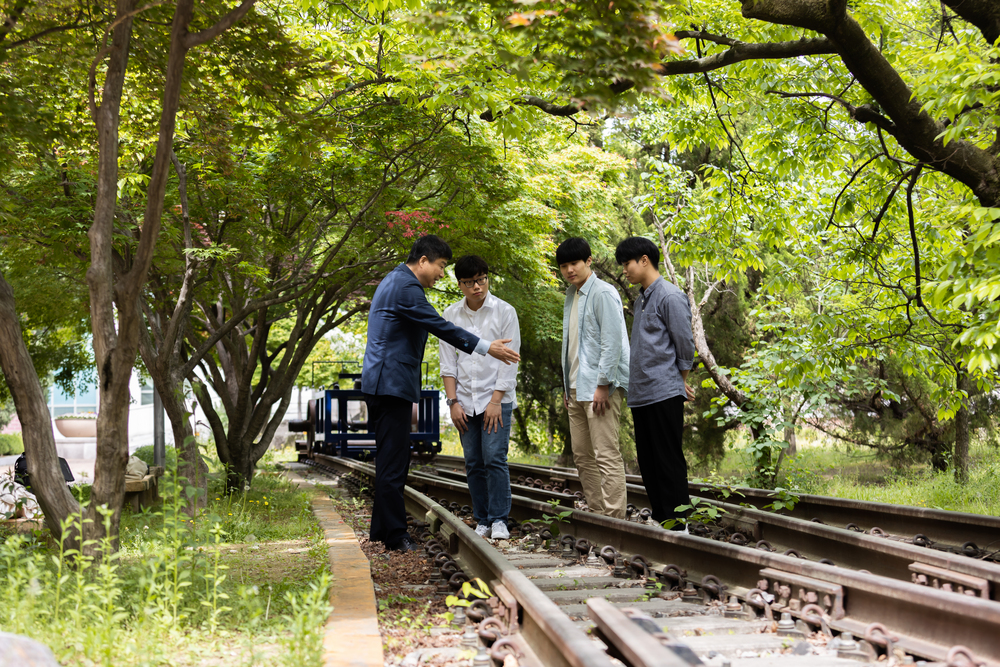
<point>552,521</point>
<point>699,511</point>
<point>181,589</point>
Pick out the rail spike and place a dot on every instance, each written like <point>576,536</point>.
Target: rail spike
<point>960,656</point>
<point>757,598</point>
<point>816,615</point>
<point>713,587</point>
<point>876,633</point>
<point>490,630</point>
<point>504,647</point>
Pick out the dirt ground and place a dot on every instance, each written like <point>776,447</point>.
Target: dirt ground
<point>411,614</point>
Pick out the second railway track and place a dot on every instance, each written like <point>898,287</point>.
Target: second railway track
<point>973,535</point>
<point>598,565</point>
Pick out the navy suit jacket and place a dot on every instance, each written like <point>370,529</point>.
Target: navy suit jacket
<point>398,322</point>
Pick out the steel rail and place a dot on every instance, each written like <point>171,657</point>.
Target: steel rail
<point>927,621</point>
<point>545,634</point>
<point>975,535</point>
<point>847,548</point>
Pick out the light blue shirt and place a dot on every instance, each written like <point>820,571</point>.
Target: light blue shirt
<point>603,342</point>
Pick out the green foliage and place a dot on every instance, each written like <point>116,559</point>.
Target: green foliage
<point>476,588</point>
<point>11,443</point>
<point>699,511</point>
<point>175,589</point>
<point>552,521</point>
<point>146,454</point>
<point>784,499</point>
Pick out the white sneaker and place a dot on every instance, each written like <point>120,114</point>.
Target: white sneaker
<point>482,529</point>
<point>500,531</point>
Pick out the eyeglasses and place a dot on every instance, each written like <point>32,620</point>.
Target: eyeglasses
<point>474,281</point>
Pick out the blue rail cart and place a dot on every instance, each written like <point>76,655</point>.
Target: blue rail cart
<point>337,423</point>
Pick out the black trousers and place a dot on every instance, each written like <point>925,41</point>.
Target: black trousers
<point>659,434</point>
<point>389,419</point>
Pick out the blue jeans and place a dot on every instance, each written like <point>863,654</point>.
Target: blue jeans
<point>486,468</point>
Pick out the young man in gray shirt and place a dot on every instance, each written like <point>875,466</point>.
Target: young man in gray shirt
<point>662,354</point>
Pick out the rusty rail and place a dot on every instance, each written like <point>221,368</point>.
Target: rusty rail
<point>973,535</point>
<point>929,622</point>
<point>544,634</point>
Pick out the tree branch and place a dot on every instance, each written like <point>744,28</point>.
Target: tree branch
<point>48,31</point>
<point>194,39</point>
<point>913,233</point>
<point>984,14</point>
<point>741,51</point>
<point>11,21</point>
<point>916,131</point>
<point>863,114</point>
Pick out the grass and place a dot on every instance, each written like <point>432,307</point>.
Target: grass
<point>825,468</point>
<point>242,583</point>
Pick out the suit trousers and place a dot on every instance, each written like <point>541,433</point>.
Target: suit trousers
<point>389,419</point>
<point>597,454</point>
<point>659,435</point>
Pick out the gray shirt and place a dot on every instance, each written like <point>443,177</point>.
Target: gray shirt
<point>662,345</point>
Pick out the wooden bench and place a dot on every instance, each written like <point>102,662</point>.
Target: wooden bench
<point>144,492</point>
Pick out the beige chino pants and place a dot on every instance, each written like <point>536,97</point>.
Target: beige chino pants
<point>597,454</point>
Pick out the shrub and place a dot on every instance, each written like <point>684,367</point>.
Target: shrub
<point>11,443</point>
<point>79,415</point>
<point>146,454</point>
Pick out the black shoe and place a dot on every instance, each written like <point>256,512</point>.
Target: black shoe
<point>405,544</point>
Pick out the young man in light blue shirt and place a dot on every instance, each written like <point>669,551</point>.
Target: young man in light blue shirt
<point>595,361</point>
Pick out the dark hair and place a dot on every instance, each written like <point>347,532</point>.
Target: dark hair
<point>470,266</point>
<point>635,247</point>
<point>431,246</point>
<point>572,250</point>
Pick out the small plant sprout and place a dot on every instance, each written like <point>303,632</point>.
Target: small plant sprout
<point>699,511</point>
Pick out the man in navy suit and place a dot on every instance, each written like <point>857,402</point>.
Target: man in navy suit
<point>398,322</point>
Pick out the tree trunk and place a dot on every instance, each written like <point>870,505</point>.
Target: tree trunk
<point>114,367</point>
<point>790,418</point>
<point>190,465</point>
<point>961,458</point>
<point>47,481</point>
<point>116,347</point>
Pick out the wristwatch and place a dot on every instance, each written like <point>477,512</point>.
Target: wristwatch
<point>451,401</point>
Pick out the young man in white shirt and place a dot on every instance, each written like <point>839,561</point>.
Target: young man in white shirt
<point>481,395</point>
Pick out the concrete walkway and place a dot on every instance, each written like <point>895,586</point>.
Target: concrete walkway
<point>352,637</point>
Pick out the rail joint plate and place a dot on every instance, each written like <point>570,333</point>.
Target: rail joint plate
<point>795,591</point>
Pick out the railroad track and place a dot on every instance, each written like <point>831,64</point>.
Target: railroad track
<point>973,535</point>
<point>671,584</point>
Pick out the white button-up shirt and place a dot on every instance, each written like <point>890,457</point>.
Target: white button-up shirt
<point>478,376</point>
